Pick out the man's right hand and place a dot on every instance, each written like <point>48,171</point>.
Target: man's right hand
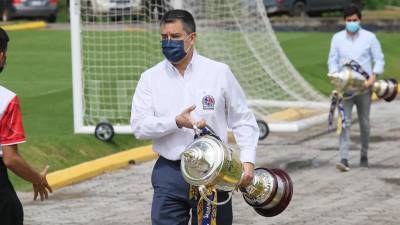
<point>185,119</point>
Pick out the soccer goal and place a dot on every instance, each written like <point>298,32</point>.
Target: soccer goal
<point>114,41</point>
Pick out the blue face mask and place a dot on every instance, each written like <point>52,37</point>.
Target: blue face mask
<point>173,50</point>
<point>353,26</point>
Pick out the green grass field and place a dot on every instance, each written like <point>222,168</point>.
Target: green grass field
<point>39,70</point>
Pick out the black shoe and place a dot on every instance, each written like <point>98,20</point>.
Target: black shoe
<point>343,165</point>
<point>364,161</point>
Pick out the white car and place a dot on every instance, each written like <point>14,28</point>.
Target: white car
<point>116,9</point>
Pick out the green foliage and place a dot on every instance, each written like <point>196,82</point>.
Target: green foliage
<point>374,4</point>
<point>392,2</point>
<point>62,11</point>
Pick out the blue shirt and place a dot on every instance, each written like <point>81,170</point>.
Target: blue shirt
<point>364,48</point>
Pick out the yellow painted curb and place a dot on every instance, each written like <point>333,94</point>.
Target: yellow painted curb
<point>93,168</point>
<point>134,29</point>
<point>25,26</point>
<point>292,114</point>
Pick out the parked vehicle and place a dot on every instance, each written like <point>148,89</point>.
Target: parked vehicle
<point>115,9</point>
<point>46,9</point>
<point>300,8</point>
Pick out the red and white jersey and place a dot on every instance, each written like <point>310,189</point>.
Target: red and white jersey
<point>11,128</point>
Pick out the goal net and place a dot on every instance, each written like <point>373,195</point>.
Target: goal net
<point>114,41</point>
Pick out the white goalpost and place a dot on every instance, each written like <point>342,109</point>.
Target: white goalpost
<point>114,41</point>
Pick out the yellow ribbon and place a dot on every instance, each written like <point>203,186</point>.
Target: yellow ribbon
<point>339,125</point>
<point>194,193</point>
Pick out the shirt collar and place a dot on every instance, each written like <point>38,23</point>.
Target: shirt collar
<point>170,67</point>
<point>355,36</point>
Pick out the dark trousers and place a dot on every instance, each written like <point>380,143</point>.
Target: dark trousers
<point>363,104</point>
<point>11,212</point>
<point>171,204</point>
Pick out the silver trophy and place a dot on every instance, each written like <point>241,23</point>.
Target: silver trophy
<point>352,77</point>
<point>208,162</point>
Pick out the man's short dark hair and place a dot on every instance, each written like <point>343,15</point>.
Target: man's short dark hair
<point>351,10</point>
<point>189,26</point>
<point>3,40</point>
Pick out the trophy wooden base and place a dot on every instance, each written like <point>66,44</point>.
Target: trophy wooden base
<point>270,208</point>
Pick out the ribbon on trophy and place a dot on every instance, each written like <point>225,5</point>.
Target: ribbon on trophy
<point>206,212</point>
<point>355,66</point>
<point>336,102</point>
<point>205,131</point>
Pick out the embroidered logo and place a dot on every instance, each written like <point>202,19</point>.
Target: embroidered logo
<point>208,102</point>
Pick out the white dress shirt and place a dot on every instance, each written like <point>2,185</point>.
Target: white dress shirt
<point>364,48</point>
<point>162,94</point>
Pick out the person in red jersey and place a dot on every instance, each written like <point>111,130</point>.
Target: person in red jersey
<point>12,134</point>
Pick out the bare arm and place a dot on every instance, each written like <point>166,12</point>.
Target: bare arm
<point>16,163</point>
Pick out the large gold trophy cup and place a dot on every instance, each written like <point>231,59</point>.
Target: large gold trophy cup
<point>208,162</point>
<point>352,78</point>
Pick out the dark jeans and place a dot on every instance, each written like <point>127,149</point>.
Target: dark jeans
<point>11,212</point>
<point>171,204</point>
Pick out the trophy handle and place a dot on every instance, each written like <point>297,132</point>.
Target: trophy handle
<point>203,191</point>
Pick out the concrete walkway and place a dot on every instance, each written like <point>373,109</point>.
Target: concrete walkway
<point>322,195</point>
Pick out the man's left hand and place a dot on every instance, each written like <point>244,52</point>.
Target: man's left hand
<point>248,174</point>
<point>370,82</point>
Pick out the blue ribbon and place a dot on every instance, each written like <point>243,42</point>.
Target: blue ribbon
<point>208,210</point>
<point>336,102</point>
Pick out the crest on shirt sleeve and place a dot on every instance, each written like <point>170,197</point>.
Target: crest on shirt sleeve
<point>208,102</point>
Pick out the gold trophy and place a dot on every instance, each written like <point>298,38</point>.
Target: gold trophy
<point>208,162</point>
<point>352,78</point>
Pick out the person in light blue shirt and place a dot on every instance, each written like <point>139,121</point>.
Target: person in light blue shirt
<point>362,46</point>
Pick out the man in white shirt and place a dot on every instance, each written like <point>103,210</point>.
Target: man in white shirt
<point>362,46</point>
<point>182,90</point>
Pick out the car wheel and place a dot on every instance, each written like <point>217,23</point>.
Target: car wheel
<point>51,19</point>
<point>5,15</point>
<point>299,9</point>
<point>264,129</point>
<point>104,131</point>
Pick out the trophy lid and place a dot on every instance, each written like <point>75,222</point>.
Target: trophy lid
<point>202,160</point>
